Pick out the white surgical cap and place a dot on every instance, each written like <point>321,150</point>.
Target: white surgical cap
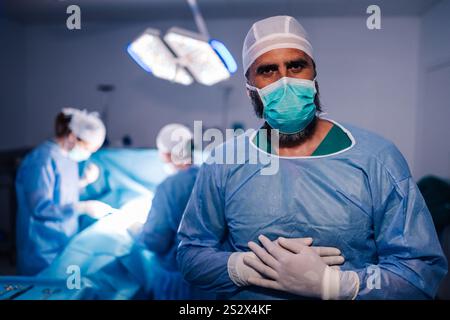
<point>175,139</point>
<point>87,126</point>
<point>274,33</point>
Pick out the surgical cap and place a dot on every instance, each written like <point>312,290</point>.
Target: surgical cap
<point>87,126</point>
<point>175,139</point>
<point>274,33</point>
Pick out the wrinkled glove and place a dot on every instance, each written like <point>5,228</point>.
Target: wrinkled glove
<point>330,255</point>
<point>240,273</point>
<point>291,266</point>
<point>93,208</point>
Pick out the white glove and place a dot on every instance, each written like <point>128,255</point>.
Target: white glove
<point>291,266</point>
<point>95,209</point>
<point>91,174</point>
<point>330,255</point>
<point>238,272</point>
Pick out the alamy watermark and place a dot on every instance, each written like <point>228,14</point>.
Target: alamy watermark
<point>73,21</point>
<point>374,277</point>
<point>226,148</point>
<point>373,22</point>
<point>74,277</point>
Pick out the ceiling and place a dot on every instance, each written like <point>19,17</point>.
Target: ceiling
<point>132,10</point>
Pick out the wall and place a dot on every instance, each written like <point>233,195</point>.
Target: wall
<point>368,78</point>
<point>12,84</point>
<point>433,128</point>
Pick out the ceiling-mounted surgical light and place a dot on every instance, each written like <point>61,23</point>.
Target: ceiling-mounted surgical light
<point>152,54</point>
<point>224,54</point>
<point>197,56</point>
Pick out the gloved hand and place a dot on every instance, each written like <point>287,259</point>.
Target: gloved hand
<point>95,209</point>
<point>91,174</point>
<point>240,273</point>
<point>296,268</point>
<point>330,255</point>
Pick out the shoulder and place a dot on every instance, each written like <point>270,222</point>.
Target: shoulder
<point>381,150</point>
<point>43,154</point>
<point>182,175</point>
<point>181,178</point>
<point>41,159</point>
<point>232,153</point>
<point>230,146</point>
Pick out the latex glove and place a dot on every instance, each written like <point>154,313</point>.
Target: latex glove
<point>330,255</point>
<point>238,272</point>
<point>91,174</point>
<point>95,209</point>
<point>296,268</point>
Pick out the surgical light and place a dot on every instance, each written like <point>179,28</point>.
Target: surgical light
<point>197,55</point>
<point>224,54</point>
<point>151,53</point>
<point>183,55</point>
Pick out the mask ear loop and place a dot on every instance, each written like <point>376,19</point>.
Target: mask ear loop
<point>321,113</point>
<point>250,87</point>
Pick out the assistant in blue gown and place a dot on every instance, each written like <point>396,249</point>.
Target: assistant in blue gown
<point>159,236</point>
<point>47,187</point>
<point>361,200</point>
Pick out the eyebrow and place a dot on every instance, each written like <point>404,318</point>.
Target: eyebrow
<point>292,63</point>
<point>266,67</point>
<point>297,62</point>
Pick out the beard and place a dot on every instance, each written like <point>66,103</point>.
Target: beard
<point>285,140</point>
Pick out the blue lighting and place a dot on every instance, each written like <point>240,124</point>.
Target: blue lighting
<point>137,59</point>
<point>224,55</point>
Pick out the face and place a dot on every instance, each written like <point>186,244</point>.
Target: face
<point>279,63</point>
<point>69,141</point>
<point>165,157</point>
<point>272,66</point>
<point>88,146</point>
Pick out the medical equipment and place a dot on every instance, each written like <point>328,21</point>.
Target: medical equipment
<point>182,55</point>
<point>288,103</point>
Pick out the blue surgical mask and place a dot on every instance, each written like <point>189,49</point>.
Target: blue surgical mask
<point>288,104</point>
<point>79,154</point>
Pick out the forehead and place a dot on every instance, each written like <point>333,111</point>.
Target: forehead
<point>277,56</point>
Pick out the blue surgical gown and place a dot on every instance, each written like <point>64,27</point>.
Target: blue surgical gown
<point>361,200</point>
<point>47,187</point>
<point>159,236</point>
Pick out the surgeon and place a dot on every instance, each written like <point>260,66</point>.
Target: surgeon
<point>174,142</point>
<point>341,186</point>
<point>48,185</point>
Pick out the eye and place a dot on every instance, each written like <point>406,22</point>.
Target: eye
<point>296,67</point>
<point>267,71</point>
